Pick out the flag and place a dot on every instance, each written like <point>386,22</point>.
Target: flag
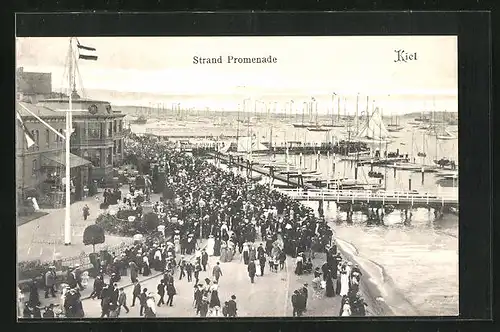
<point>85,52</point>
<point>29,138</point>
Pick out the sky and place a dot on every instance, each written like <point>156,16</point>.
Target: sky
<point>306,66</point>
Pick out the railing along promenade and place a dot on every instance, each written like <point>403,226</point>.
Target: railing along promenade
<point>366,196</point>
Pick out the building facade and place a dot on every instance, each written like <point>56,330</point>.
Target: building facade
<point>40,169</point>
<point>98,133</point>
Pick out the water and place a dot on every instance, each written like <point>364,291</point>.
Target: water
<point>416,266</point>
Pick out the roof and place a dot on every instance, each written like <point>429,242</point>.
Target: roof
<point>59,159</point>
<point>34,83</point>
<point>39,110</point>
<point>48,109</point>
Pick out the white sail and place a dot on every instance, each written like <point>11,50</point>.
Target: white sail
<point>375,129</point>
<point>247,144</point>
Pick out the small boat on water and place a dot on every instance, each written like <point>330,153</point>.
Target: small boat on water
<point>140,120</point>
<point>302,125</point>
<point>318,128</point>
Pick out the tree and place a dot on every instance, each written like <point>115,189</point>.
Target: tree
<point>93,234</point>
<point>151,221</point>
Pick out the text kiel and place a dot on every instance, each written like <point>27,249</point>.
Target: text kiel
<point>403,56</point>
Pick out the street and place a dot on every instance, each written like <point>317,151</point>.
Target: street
<point>269,296</point>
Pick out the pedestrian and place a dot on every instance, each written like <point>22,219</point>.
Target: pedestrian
<point>197,296</point>
<point>50,282</point>
<point>189,271</point>
<point>214,305</point>
<point>197,270</point>
<point>305,294</point>
<point>251,270</point>
<point>262,263</point>
<point>86,212</point>
<point>182,265</point>
<point>295,304</point>
<point>232,310</point>
<point>170,293</point>
<point>133,272</point>
<point>150,308</point>
<point>34,298</point>
<point>204,259</point>
<point>217,272</point>
<point>161,292</point>
<point>122,301</point>
<point>143,297</point>
<point>136,292</point>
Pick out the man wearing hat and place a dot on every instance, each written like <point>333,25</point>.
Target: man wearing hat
<point>231,307</point>
<point>204,259</point>
<point>305,294</point>
<point>50,281</point>
<point>49,311</point>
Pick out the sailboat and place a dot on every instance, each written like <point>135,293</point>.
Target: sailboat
<point>303,124</point>
<point>317,126</point>
<point>334,124</point>
<point>394,127</point>
<point>374,130</point>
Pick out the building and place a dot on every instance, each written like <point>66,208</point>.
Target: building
<point>98,133</point>
<point>31,87</point>
<point>40,169</point>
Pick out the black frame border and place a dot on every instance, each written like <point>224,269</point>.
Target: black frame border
<point>475,134</point>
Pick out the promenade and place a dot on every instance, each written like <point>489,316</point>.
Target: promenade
<point>43,238</point>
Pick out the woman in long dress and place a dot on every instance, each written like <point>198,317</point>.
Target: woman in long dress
<point>329,291</point>
<point>223,252</point>
<point>344,282</point>
<point>210,245</point>
<point>147,270</point>
<point>177,242</point>
<point>217,246</point>
<point>214,304</point>
<point>246,253</point>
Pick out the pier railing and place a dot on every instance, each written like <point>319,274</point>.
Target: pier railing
<point>389,197</point>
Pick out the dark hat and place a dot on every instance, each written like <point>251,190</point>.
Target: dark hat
<point>233,297</point>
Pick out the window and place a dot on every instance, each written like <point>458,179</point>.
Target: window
<point>94,156</point>
<point>110,129</point>
<point>114,126</point>
<point>35,167</point>
<point>120,126</point>
<point>94,130</point>
<point>36,138</point>
<point>59,138</point>
<point>120,146</point>
<point>47,138</point>
<point>114,147</point>
<point>110,156</point>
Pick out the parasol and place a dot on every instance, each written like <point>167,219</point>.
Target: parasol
<point>138,237</point>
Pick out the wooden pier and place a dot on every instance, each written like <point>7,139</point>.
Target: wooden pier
<point>410,198</point>
<point>308,191</point>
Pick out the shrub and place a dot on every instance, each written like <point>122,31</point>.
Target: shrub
<point>151,221</point>
<point>124,214</point>
<point>93,234</point>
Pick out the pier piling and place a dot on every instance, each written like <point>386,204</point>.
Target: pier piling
<point>356,172</point>
<point>423,175</point>
<point>409,184</point>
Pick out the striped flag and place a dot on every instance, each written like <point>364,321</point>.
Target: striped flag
<point>85,52</point>
<point>30,141</point>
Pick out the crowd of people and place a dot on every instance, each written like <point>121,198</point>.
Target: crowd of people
<point>203,200</point>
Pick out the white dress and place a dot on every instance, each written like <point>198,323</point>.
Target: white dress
<point>344,284</point>
<point>177,243</point>
<point>210,246</point>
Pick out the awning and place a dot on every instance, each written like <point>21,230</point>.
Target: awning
<point>55,159</point>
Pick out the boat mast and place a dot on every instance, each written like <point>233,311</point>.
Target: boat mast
<point>357,117</point>
<point>67,217</point>
<point>333,106</point>
<point>338,108</point>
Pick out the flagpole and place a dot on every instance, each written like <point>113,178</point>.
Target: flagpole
<point>67,219</point>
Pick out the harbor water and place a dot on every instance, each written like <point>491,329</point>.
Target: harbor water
<point>415,266</point>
